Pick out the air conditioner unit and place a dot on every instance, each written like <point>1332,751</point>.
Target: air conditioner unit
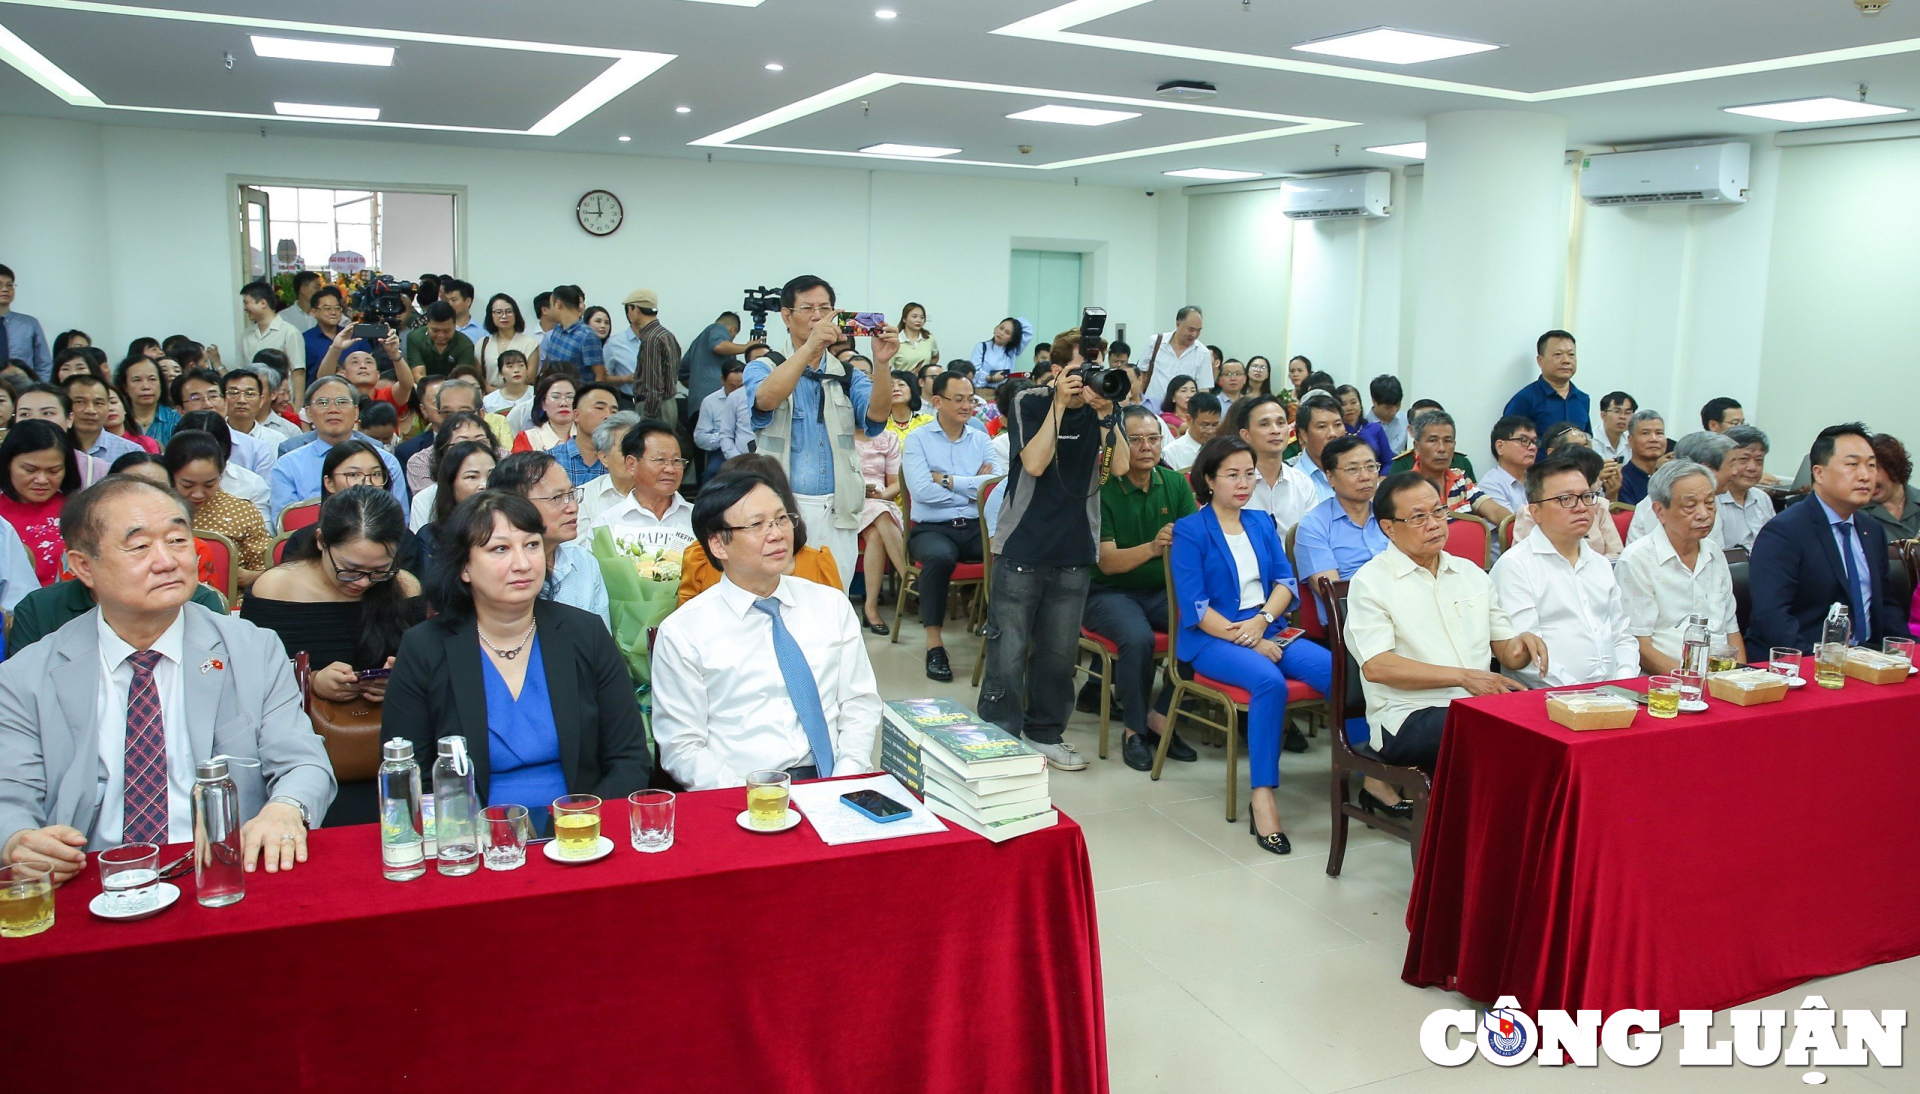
<point>1362,194</point>
<point>1708,174</point>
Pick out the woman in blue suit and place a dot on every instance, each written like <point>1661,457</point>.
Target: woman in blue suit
<point>1232,589</point>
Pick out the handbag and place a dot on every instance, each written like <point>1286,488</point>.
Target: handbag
<point>350,730</point>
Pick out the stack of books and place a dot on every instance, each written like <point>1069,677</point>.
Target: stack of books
<point>970,772</point>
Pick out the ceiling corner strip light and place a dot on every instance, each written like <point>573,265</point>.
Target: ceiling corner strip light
<point>1808,111</point>
<point>1412,150</point>
<point>1387,45</point>
<point>1073,115</point>
<point>34,66</point>
<point>322,110</point>
<point>338,53</point>
<point>1213,174</point>
<point>909,151</point>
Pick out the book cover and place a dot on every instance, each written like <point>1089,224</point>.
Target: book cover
<point>978,750</point>
<point>914,716</point>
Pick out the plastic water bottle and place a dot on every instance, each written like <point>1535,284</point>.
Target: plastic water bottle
<point>219,873</point>
<point>1829,665</point>
<point>456,809</point>
<point>402,845</point>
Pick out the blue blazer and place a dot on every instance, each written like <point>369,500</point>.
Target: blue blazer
<point>1203,569</point>
<point>1796,573</point>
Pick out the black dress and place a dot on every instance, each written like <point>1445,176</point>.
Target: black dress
<point>329,631</point>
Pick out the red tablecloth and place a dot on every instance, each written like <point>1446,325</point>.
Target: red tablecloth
<point>1697,863</point>
<point>732,962</point>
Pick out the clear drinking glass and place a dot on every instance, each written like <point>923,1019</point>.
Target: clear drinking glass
<point>651,817</point>
<point>1898,647</point>
<point>767,799</point>
<point>26,899</point>
<point>1721,658</point>
<point>576,825</point>
<point>504,833</point>
<point>1663,697</point>
<point>1784,661</point>
<point>1692,685</point>
<point>130,876</point>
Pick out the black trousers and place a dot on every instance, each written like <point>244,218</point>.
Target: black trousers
<point>1417,744</point>
<point>938,547</point>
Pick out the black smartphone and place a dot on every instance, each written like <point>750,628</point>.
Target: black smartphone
<point>540,817</point>
<point>372,332</point>
<point>373,674</point>
<point>875,805</point>
<point>1625,693</point>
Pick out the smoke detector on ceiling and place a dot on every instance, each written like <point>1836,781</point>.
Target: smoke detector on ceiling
<point>1190,90</point>
<point>1871,7</point>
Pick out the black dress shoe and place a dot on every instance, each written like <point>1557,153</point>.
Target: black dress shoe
<point>937,666</point>
<point>1137,751</point>
<point>1402,811</point>
<point>1294,740</point>
<point>879,628</point>
<point>1088,701</point>
<point>1181,750</point>
<point>1276,843</point>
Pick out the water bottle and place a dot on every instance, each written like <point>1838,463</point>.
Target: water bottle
<point>1829,665</point>
<point>219,872</point>
<point>1696,644</point>
<point>402,846</point>
<point>456,809</point>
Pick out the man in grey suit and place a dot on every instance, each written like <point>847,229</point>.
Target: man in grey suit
<point>103,721</point>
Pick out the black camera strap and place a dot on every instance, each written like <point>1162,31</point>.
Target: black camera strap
<point>1153,358</point>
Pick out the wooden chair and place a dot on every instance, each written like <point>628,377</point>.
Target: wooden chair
<point>986,580</point>
<point>1232,700</point>
<point>300,515</point>
<point>1349,759</point>
<point>965,575</point>
<point>219,563</point>
<point>280,547</point>
<point>1622,514</point>
<point>1470,537</point>
<point>1506,534</point>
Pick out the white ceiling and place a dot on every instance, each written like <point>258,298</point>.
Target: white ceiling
<point>946,72</point>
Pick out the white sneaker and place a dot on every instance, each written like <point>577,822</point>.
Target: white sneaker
<point>1060,755</point>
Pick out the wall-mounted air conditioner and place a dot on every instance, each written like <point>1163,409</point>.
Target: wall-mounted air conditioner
<point>1708,174</point>
<point>1362,194</point>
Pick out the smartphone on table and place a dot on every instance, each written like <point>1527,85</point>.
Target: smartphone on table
<point>875,806</point>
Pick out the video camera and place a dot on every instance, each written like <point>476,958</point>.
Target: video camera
<point>380,299</point>
<point>1113,384</point>
<point>759,301</point>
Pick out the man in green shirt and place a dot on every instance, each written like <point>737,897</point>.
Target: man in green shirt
<point>48,609</point>
<point>1127,599</point>
<point>435,347</point>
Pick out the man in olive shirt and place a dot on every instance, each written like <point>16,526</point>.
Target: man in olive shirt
<point>435,347</point>
<point>1127,599</point>
<point>48,609</point>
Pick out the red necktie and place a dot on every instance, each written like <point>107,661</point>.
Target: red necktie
<point>145,820</point>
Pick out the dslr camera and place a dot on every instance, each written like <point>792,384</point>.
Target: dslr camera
<point>1113,384</point>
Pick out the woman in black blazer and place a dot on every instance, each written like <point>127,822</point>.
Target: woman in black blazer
<point>572,726</point>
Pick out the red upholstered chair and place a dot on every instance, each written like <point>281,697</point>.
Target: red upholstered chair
<point>1506,534</point>
<point>280,546</point>
<point>965,575</point>
<point>1470,537</point>
<point>219,563</point>
<point>300,515</point>
<point>1232,700</point>
<point>1622,514</point>
<point>1104,651</point>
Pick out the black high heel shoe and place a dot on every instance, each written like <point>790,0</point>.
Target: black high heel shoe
<point>1276,843</point>
<point>1402,811</point>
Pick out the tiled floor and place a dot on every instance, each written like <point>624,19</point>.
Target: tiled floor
<point>1230,969</point>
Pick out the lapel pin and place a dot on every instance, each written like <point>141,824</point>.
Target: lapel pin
<point>212,664</point>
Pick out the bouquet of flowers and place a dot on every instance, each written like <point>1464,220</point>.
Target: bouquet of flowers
<point>642,573</point>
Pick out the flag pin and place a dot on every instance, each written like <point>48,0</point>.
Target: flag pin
<point>211,664</point>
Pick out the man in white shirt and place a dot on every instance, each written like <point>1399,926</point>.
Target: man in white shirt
<point>300,316</point>
<point>248,411</point>
<point>265,328</point>
<point>1711,451</point>
<point>202,389</point>
<point>1744,509</point>
<point>1282,490</point>
<point>762,671</point>
<point>1203,422</point>
<point>1316,422</point>
<point>653,510</point>
<point>1556,586</point>
<point>1515,445</point>
<point>608,490</point>
<point>1178,352</point>
<point>1420,623</point>
<point>1612,440</point>
<point>1678,571</point>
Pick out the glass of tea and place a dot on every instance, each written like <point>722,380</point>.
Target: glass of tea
<point>26,899</point>
<point>576,825</point>
<point>767,799</point>
<point>1663,697</point>
<point>1721,658</point>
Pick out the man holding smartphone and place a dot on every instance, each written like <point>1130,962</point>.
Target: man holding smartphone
<point>1047,539</point>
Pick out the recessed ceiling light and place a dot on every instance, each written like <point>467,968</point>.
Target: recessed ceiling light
<point>1073,115</point>
<point>775,66</point>
<point>916,150</point>
<point>1816,110</point>
<point>339,53</point>
<point>1413,150</point>
<point>683,110</point>
<point>886,13</point>
<point>1394,47</point>
<point>321,110</point>
<point>1212,174</point>
<point>624,139</point>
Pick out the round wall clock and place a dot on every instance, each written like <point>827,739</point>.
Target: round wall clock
<point>599,212</point>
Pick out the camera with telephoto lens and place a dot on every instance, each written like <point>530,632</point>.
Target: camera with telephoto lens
<point>380,299</point>
<point>759,301</point>
<point>1113,384</point>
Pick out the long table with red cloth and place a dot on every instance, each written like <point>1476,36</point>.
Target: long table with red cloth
<point>734,961</point>
<point>1693,863</point>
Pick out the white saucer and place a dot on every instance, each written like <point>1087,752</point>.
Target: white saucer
<point>600,850</point>
<point>168,894</point>
<point>1693,706</point>
<point>1796,681</point>
<point>1911,669</point>
<point>744,819</point>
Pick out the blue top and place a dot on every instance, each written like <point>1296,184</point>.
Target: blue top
<point>576,345</point>
<point>700,365</point>
<point>1633,483</point>
<point>523,745</point>
<point>1395,431</point>
<point>22,338</point>
<point>988,357</point>
<point>1545,406</point>
<point>1328,539</point>
<point>318,344</point>
<point>1375,435</point>
<point>575,580</point>
<point>1317,474</point>
<point>567,455</point>
<point>165,420</point>
<point>621,353</point>
<point>810,459</point>
<point>928,450</point>
<point>296,476</point>
<point>1204,571</point>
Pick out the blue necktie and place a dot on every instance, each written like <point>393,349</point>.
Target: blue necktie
<point>801,689</point>
<point>1860,629</point>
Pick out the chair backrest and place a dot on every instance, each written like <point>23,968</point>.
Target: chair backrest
<point>218,565</point>
<point>1334,593</point>
<point>1506,533</point>
<point>1742,598</point>
<point>1173,620</point>
<point>280,547</point>
<point>1899,575</point>
<point>299,515</point>
<point>1622,518</point>
<point>1470,537</point>
<point>986,537</point>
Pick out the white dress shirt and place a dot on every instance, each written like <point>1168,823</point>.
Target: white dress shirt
<point>1622,451</point>
<point>271,431</point>
<point>1576,608</point>
<point>1452,618</point>
<point>498,401</point>
<point>420,513</point>
<point>110,705</point>
<point>249,487</point>
<point>1645,523</point>
<point>1181,453</point>
<point>626,518</point>
<point>255,455</point>
<point>601,495</point>
<point>1287,499</point>
<point>1196,362</point>
<point>1660,592</point>
<point>1739,525</point>
<point>720,706</point>
<point>1501,486</point>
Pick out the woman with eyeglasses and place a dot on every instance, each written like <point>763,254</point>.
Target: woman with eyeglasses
<point>343,598</point>
<point>194,462</point>
<point>552,413</point>
<point>506,330</point>
<point>352,463</point>
<point>1233,588</point>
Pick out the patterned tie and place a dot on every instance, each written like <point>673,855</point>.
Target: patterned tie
<point>146,772</point>
<point>800,688</point>
<point>1860,628</point>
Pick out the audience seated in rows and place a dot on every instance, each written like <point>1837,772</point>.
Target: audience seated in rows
<point>1713,451</point>
<point>334,409</point>
<point>570,575</point>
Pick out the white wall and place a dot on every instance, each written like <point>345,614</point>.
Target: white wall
<point>1239,270</point>
<point>128,232</point>
<point>416,234</point>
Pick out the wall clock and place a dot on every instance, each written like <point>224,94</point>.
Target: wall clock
<point>599,212</point>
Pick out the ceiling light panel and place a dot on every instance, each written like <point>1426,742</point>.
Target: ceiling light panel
<point>1394,47</point>
<point>1073,115</point>
<point>337,53</point>
<point>912,151</point>
<point>1212,174</point>
<point>1807,111</point>
<point>322,110</point>
<point>1413,150</point>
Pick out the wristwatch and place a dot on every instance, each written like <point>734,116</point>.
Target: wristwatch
<point>1267,615</point>
<point>305,819</point>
